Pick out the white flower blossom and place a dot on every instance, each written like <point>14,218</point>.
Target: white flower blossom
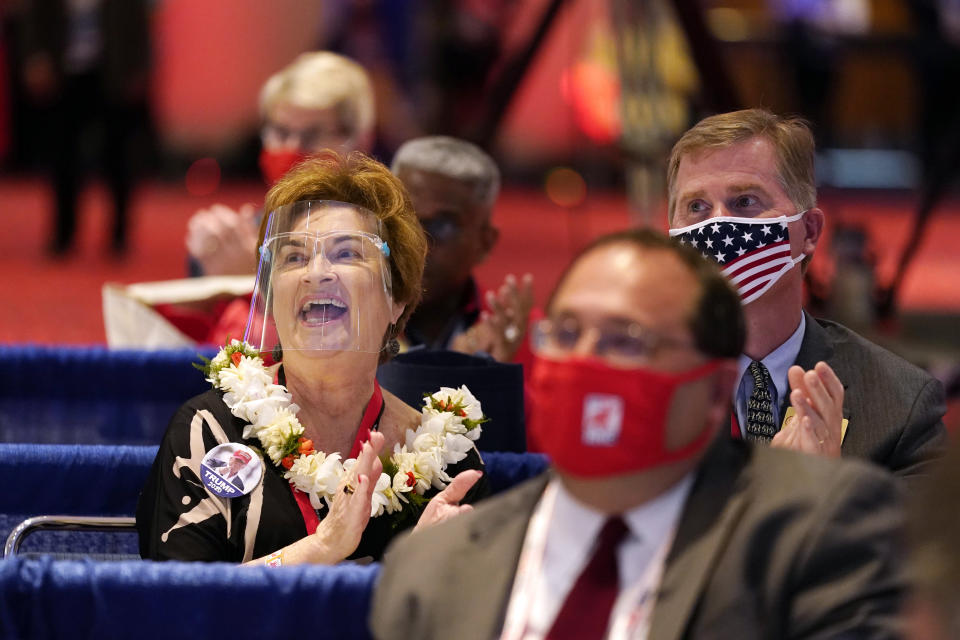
<point>318,475</point>
<point>244,382</point>
<point>428,436</point>
<point>264,410</point>
<point>222,362</point>
<point>219,361</point>
<point>424,442</point>
<point>282,415</point>
<point>432,436</point>
<point>423,465</point>
<point>455,448</point>
<point>384,498</point>
<point>275,436</point>
<point>442,422</point>
<point>461,397</point>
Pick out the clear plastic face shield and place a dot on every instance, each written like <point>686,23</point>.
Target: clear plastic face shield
<point>323,283</point>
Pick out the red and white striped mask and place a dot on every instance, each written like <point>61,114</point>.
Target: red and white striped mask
<point>753,253</point>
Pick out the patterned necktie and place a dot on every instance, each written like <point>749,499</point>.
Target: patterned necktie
<point>586,611</point>
<point>760,424</point>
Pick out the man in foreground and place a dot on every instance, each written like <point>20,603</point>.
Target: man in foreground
<point>651,525</point>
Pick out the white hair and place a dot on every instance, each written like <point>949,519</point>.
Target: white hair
<point>453,158</point>
<point>323,80</point>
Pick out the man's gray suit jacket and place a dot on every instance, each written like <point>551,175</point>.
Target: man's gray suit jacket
<point>770,544</point>
<point>895,410</point>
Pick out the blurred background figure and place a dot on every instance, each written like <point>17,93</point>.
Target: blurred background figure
<point>936,56</point>
<point>813,33</point>
<point>658,81</point>
<point>86,64</point>
<point>322,100</point>
<point>4,92</point>
<point>454,185</point>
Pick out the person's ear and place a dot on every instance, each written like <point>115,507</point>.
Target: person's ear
<point>723,383</point>
<point>488,240</point>
<point>363,142</point>
<point>396,311</point>
<point>813,221</point>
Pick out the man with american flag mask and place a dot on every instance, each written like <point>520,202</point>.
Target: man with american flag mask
<point>742,190</point>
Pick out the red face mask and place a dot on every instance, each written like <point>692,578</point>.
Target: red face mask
<point>275,164</point>
<point>595,421</point>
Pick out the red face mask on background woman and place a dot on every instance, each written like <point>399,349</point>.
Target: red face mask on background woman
<point>595,420</point>
<point>275,164</point>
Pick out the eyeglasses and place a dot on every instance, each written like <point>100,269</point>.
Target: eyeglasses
<point>312,139</point>
<point>441,230</point>
<point>627,343</point>
<point>295,250</point>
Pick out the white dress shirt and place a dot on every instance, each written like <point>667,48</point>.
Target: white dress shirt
<point>558,545</point>
<point>777,362</point>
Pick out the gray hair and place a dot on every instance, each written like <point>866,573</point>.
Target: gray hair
<point>453,158</point>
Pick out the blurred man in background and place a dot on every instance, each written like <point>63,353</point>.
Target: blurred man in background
<point>87,62</point>
<point>454,185</point>
<point>322,100</point>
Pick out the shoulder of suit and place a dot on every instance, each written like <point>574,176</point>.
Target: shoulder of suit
<point>780,473</point>
<point>485,516</point>
<point>848,344</point>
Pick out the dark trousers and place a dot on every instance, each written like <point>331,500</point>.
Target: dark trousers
<point>82,121</point>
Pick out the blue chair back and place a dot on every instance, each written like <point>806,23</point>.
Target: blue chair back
<point>498,386</point>
<point>42,598</point>
<point>506,469</point>
<point>101,480</point>
<point>78,480</point>
<point>93,395</point>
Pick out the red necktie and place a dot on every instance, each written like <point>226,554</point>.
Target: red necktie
<point>586,611</point>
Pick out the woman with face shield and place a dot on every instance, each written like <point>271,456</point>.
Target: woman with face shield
<point>343,464</point>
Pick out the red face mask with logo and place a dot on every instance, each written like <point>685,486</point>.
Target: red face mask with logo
<point>274,164</point>
<point>594,420</point>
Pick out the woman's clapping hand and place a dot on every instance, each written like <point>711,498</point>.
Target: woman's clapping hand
<point>339,533</point>
<point>446,504</point>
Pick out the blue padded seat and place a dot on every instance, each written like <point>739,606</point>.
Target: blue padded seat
<point>498,386</point>
<point>42,598</point>
<point>101,480</point>
<point>93,395</point>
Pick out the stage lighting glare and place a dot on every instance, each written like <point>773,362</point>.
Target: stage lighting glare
<point>565,187</point>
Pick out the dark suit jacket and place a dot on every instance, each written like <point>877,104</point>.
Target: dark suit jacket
<point>895,409</point>
<point>124,32</point>
<point>770,544</point>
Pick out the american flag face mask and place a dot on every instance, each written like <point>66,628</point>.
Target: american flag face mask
<point>753,253</point>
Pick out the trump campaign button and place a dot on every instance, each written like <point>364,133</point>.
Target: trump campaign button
<point>231,470</point>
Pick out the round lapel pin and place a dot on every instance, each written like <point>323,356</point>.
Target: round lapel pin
<point>231,470</point>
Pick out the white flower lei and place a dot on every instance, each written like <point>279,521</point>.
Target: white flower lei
<point>449,424</point>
